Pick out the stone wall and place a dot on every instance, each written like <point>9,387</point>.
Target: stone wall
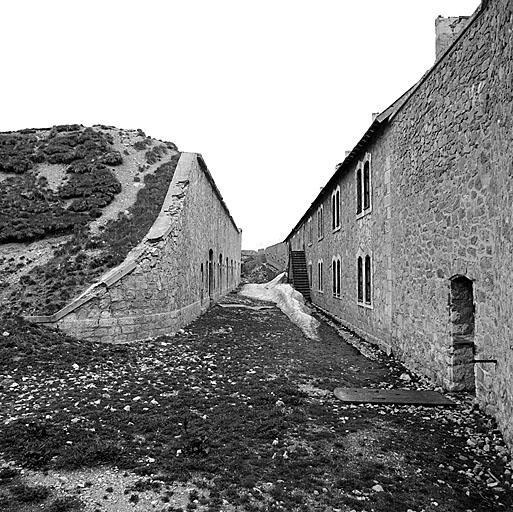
<point>190,257</point>
<point>277,255</point>
<point>452,191</point>
<point>358,235</point>
<point>441,227</point>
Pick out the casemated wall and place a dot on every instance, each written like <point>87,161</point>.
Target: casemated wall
<point>189,258</point>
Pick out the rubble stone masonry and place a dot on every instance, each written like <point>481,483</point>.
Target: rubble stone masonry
<point>440,229</point>
<point>452,191</point>
<point>189,258</point>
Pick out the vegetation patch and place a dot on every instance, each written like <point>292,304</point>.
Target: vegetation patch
<point>225,405</point>
<point>30,209</point>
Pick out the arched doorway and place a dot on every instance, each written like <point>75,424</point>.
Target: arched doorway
<point>202,284</point>
<point>461,306</point>
<point>210,273</point>
<point>220,272</point>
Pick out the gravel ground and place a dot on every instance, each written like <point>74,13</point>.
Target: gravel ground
<point>236,412</point>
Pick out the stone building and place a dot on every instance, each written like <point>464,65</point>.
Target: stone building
<point>277,256</point>
<point>189,258</point>
<point>410,243</point>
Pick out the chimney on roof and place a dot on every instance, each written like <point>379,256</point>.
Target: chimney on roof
<point>447,30</point>
<point>374,115</point>
<point>347,153</point>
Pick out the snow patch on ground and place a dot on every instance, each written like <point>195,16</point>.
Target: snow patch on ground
<point>290,301</point>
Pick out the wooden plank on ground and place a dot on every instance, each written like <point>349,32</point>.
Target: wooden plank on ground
<point>392,396</point>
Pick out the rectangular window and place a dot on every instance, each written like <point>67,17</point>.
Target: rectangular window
<point>310,274</point>
<point>319,275</point>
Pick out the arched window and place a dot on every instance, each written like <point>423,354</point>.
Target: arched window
<point>320,269</point>
<point>359,191</point>
<point>335,209</point>
<point>320,222</point>
<point>202,282</point>
<point>368,280</point>
<point>336,271</point>
<point>360,279</point>
<point>366,185</point>
<point>220,272</point>
<point>210,271</point>
<point>334,277</point>
<point>338,277</point>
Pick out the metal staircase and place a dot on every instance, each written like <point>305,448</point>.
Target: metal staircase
<point>298,274</point>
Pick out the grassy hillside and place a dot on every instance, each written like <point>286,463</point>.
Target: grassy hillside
<point>68,199</point>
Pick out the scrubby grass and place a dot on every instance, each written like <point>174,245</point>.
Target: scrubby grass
<point>17,496</point>
<point>225,405</point>
<point>29,209</point>
<point>85,257</point>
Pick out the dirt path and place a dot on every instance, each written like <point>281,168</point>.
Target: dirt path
<point>237,413</point>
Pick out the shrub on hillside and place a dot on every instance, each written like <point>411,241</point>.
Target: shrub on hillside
<point>154,154</point>
<point>29,210</point>
<point>50,287</point>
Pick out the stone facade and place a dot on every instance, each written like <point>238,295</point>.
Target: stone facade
<point>189,258</point>
<point>277,255</point>
<point>439,230</point>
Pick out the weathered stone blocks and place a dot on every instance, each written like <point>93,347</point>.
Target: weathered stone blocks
<point>159,287</point>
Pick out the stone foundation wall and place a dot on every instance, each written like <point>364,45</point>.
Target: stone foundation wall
<point>190,257</point>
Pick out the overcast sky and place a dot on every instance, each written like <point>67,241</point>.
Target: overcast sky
<point>271,93</point>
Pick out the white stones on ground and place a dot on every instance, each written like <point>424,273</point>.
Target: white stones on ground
<point>377,488</point>
<point>405,377</point>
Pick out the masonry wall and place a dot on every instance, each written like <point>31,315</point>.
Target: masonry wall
<point>277,255</point>
<point>452,192</point>
<point>190,257</point>
<point>442,184</point>
<point>358,235</point>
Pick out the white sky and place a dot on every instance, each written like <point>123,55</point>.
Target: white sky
<point>271,93</point>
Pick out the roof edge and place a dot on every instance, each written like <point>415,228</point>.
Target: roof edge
<point>385,116</point>
<point>204,168</point>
